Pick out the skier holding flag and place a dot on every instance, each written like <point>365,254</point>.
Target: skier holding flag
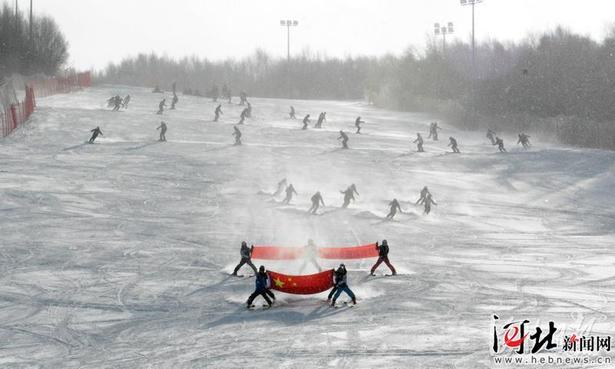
<point>263,288</point>
<point>340,283</point>
<point>383,255</point>
<point>246,258</point>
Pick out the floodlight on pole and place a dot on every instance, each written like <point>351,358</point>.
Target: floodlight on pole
<point>472,3</point>
<point>288,23</point>
<point>443,30</point>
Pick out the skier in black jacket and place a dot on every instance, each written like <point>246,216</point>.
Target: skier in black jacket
<point>349,195</point>
<point>95,132</point>
<point>383,252</point>
<point>246,258</point>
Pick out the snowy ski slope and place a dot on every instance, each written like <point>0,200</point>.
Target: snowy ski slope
<point>117,254</point>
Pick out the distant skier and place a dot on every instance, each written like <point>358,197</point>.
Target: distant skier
<point>491,136</point>
<point>161,106</point>
<point>243,115</point>
<point>357,123</point>
<point>125,102</point>
<point>310,253</point>
<point>349,195</point>
<point>321,117</point>
<point>316,201</point>
<point>174,101</point>
<point>163,131</point>
<point>246,258</point>
<point>291,114</point>
<point>281,187</point>
<point>500,143</point>
<point>306,121</point>
<point>524,140</point>
<point>117,103</point>
<point>452,142</point>
<point>340,283</point>
<point>419,142</point>
<point>249,111</point>
<point>383,256</point>
<point>95,132</point>
<point>393,208</point>
<point>433,131</point>
<point>237,134</point>
<point>424,193</point>
<point>344,137</point>
<point>243,98</point>
<point>263,288</point>
<point>428,202</point>
<point>290,190</point>
<point>218,112</point>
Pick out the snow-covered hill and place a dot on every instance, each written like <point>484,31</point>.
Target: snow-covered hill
<point>117,254</point>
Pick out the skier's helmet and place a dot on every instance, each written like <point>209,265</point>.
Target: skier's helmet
<point>244,244</point>
<point>261,269</point>
<point>384,243</point>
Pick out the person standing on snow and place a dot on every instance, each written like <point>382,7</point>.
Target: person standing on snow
<point>424,193</point>
<point>290,190</point>
<point>306,121</point>
<point>357,123</point>
<point>321,118</point>
<point>292,113</point>
<point>218,112</point>
<point>524,140</point>
<point>243,115</point>
<point>419,142</point>
<point>174,101</point>
<point>349,195</point>
<point>316,201</point>
<point>246,258</point>
<point>95,132</point>
<point>428,201</point>
<point>340,283</point>
<point>237,134</point>
<point>383,256</point>
<point>491,136</point>
<point>281,187</point>
<point>163,131</point>
<point>452,142</point>
<point>263,288</point>
<point>394,207</point>
<point>500,143</point>
<point>344,137</point>
<point>161,106</point>
<point>310,253</point>
<point>126,101</point>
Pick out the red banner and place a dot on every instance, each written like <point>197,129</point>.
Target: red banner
<point>277,253</point>
<point>291,253</point>
<point>356,252</point>
<point>302,284</point>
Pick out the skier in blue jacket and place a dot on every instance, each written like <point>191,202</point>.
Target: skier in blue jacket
<point>263,285</point>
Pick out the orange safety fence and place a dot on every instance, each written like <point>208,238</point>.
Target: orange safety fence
<point>15,114</point>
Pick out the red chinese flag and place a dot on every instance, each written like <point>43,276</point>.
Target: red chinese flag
<point>356,252</point>
<point>302,284</point>
<point>277,253</point>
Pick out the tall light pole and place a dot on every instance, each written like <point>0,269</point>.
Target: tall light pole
<point>472,3</point>
<point>288,23</point>
<point>31,21</point>
<point>443,31</point>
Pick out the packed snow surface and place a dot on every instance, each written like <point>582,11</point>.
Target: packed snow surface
<point>117,254</point>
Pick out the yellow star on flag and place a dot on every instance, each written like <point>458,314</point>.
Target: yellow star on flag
<point>278,282</point>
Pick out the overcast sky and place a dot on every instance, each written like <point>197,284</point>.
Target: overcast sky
<point>100,31</point>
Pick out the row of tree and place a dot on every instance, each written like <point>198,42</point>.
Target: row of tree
<point>558,81</point>
<point>28,48</point>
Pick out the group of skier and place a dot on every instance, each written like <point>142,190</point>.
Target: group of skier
<point>116,102</point>
<point>310,255</point>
